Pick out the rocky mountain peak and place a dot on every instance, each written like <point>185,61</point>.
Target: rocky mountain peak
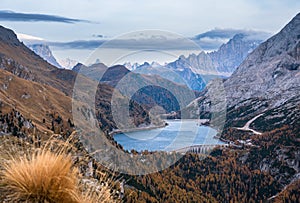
<point>286,42</point>
<point>8,36</point>
<point>155,64</point>
<point>45,52</point>
<point>231,55</point>
<point>205,65</point>
<point>283,47</point>
<point>146,64</point>
<point>181,57</point>
<point>271,70</point>
<point>267,83</point>
<point>239,36</point>
<point>77,67</point>
<point>67,63</point>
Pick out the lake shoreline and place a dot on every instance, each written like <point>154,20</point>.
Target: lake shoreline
<point>118,134</point>
<point>118,131</point>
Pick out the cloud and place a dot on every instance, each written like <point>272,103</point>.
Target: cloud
<point>25,37</point>
<point>207,41</point>
<point>209,44</point>
<point>218,33</point>
<point>229,33</point>
<point>32,17</point>
<point>99,36</point>
<point>79,44</point>
<point>213,39</point>
<point>132,44</point>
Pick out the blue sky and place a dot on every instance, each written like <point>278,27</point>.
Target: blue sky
<point>90,21</point>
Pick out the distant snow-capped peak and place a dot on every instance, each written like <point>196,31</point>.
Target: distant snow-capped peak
<point>67,63</point>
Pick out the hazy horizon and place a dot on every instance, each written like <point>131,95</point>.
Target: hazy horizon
<point>74,29</point>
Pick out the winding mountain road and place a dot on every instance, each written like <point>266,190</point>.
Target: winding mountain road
<point>247,125</point>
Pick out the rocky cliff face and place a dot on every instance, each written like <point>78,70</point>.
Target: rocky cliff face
<point>223,61</point>
<point>266,82</point>
<point>189,73</point>
<point>44,51</point>
<point>271,71</point>
<point>8,36</point>
<point>231,55</point>
<point>196,70</point>
<point>19,60</point>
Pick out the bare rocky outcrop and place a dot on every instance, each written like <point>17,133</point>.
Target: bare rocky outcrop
<point>268,82</point>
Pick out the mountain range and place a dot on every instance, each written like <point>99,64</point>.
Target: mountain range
<point>20,61</point>
<point>151,91</point>
<point>256,111</point>
<point>267,83</point>
<point>67,63</point>
<point>196,70</point>
<point>45,52</point>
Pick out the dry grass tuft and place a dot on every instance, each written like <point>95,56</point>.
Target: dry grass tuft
<point>46,174</point>
<point>94,194</point>
<point>42,177</point>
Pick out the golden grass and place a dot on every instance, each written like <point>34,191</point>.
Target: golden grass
<point>95,194</point>
<point>46,174</point>
<point>42,177</point>
<point>42,101</point>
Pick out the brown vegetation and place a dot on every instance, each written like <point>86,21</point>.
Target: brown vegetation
<point>34,171</point>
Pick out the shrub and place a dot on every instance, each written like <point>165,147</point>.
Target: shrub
<point>41,177</point>
<point>35,172</point>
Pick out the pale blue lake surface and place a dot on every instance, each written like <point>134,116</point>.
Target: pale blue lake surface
<point>178,134</point>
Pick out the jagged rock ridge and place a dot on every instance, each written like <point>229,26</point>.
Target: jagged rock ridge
<point>268,81</point>
<point>44,51</point>
<point>196,70</point>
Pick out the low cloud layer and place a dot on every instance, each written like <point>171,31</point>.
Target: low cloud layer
<point>79,44</point>
<point>207,41</point>
<point>213,39</point>
<point>33,17</point>
<point>132,44</point>
<point>229,33</point>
